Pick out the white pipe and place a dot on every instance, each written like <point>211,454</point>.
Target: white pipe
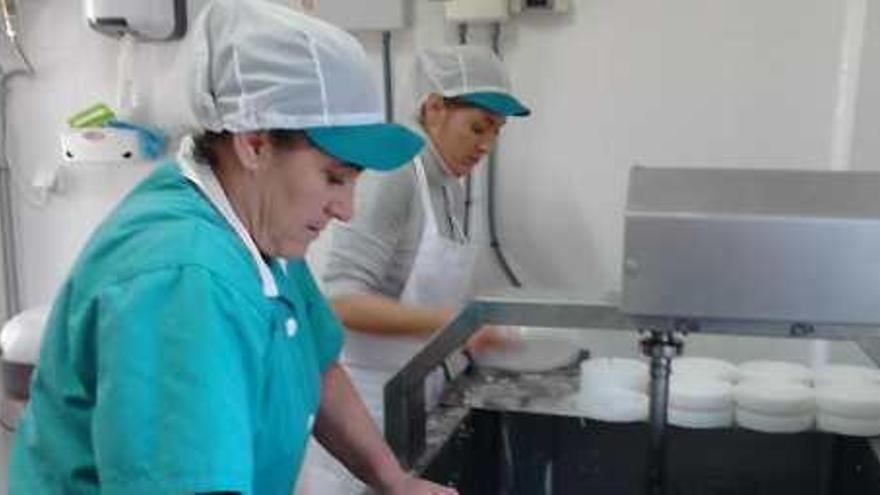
<point>844,118</point>
<point>12,303</point>
<point>847,90</point>
<point>128,97</point>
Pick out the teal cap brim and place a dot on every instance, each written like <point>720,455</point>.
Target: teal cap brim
<point>373,146</point>
<point>500,103</point>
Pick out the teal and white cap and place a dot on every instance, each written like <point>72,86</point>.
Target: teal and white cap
<point>258,65</point>
<point>466,72</point>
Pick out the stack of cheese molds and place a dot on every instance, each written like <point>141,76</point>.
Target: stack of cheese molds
<point>775,397</point>
<point>848,400</point>
<point>761,395</point>
<point>701,393</point>
<point>614,389</point>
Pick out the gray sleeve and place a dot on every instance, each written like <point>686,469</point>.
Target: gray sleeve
<point>362,250</point>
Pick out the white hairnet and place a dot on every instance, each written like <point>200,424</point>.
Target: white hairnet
<point>258,65</point>
<point>456,70</point>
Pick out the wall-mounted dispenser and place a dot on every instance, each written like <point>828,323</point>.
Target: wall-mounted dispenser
<point>477,11</point>
<point>146,20</point>
<point>557,6</point>
<point>360,15</point>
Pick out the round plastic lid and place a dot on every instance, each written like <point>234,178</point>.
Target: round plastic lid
<point>700,394</point>
<point>834,374</point>
<point>776,370</point>
<point>533,351</point>
<point>617,405</point>
<point>848,426</point>
<point>860,401</point>
<point>705,367</point>
<point>722,418</point>
<point>774,397</point>
<point>769,423</point>
<point>605,372</point>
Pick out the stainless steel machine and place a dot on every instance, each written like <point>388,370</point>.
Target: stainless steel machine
<point>786,254</point>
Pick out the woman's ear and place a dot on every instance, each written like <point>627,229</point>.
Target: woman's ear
<point>250,147</point>
<point>433,111</point>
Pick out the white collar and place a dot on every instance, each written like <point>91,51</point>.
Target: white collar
<point>438,171</point>
<point>203,177</point>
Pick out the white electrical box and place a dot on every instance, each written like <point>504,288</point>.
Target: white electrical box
<point>558,6</point>
<point>146,20</point>
<point>359,15</point>
<point>477,11</point>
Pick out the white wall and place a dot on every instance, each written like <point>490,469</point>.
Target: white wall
<point>684,83</point>
<point>75,67</point>
<point>697,83</point>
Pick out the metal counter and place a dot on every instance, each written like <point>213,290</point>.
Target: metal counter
<point>405,417</point>
<point>546,406</point>
<point>774,253</point>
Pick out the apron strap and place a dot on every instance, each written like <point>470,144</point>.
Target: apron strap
<point>425,195</point>
<point>430,215</point>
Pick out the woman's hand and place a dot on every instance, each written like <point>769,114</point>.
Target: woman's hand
<point>410,485</point>
<point>492,337</point>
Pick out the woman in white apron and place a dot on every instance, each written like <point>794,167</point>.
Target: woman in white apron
<point>402,270</point>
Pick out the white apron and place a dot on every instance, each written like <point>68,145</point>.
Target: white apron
<point>440,277</point>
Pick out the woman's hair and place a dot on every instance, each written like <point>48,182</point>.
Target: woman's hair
<point>448,101</point>
<point>206,141</point>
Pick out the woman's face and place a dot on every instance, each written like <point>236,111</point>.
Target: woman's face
<point>302,190</point>
<point>461,133</point>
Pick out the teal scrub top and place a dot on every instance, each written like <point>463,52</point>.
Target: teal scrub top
<point>165,368</point>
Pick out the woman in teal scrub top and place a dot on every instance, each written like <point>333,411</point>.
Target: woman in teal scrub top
<point>189,351</point>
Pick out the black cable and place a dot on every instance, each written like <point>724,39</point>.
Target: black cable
<point>386,66</point>
<point>468,201</point>
<point>493,230</point>
<point>494,243</point>
<point>468,181</point>
<point>496,38</point>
